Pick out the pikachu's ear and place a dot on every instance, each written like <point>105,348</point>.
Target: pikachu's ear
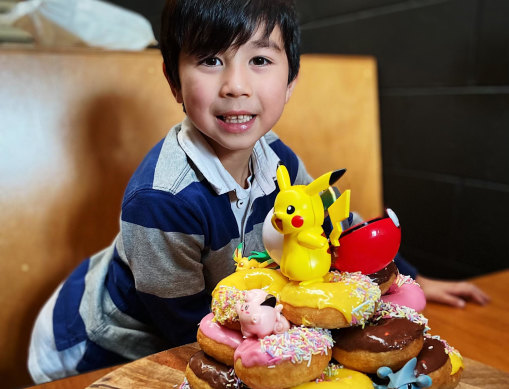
<point>283,178</point>
<point>323,182</point>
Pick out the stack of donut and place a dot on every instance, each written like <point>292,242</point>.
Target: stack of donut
<point>356,326</point>
<point>300,354</point>
<point>270,351</point>
<point>241,346</point>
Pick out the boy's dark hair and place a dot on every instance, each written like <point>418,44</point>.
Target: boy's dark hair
<point>207,27</point>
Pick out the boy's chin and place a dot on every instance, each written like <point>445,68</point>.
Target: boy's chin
<point>233,145</point>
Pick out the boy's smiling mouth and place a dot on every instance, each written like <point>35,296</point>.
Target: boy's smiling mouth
<point>235,119</point>
<point>236,122</point>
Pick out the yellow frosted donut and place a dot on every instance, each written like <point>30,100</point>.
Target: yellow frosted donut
<point>344,299</point>
<point>269,280</point>
<point>231,290</point>
<point>337,377</point>
<point>456,361</point>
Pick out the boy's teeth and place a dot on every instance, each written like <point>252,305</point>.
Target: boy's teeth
<point>237,118</point>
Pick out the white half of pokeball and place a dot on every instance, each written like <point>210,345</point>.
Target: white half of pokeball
<point>393,217</point>
<point>272,239</point>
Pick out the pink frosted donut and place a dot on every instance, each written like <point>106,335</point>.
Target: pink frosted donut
<point>218,341</point>
<point>284,360</point>
<point>405,291</point>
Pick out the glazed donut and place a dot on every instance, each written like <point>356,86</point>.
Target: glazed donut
<point>269,280</point>
<point>442,363</point>
<point>218,341</point>
<point>283,360</point>
<point>342,300</point>
<point>391,338</point>
<point>337,377</point>
<point>405,291</point>
<point>232,288</point>
<point>385,277</point>
<point>203,372</point>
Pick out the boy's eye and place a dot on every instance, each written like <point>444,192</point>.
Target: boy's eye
<point>211,61</point>
<point>260,61</point>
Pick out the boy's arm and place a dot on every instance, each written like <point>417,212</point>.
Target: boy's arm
<point>163,244</point>
<point>405,267</point>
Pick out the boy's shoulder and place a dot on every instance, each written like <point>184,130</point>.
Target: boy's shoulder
<point>165,168</point>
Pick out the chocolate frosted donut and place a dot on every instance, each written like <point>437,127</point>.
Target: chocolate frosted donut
<point>385,277</point>
<point>434,361</point>
<point>387,342</point>
<point>432,356</point>
<point>203,371</point>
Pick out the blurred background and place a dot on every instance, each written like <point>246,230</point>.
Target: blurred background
<point>443,68</point>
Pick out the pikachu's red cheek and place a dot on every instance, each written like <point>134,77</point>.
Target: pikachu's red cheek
<point>297,221</point>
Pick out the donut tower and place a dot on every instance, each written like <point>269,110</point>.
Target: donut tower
<point>317,311</point>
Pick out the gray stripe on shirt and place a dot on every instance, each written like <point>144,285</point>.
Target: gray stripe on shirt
<point>173,172</point>
<point>164,264</point>
<point>105,324</point>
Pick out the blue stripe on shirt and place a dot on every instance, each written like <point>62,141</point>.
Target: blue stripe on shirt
<point>178,318</point>
<point>120,285</point>
<point>68,326</point>
<point>261,208</point>
<point>288,158</point>
<point>173,213</point>
<point>143,177</point>
<point>404,267</point>
<point>97,357</point>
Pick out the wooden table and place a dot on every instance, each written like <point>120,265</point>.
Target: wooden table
<point>480,333</point>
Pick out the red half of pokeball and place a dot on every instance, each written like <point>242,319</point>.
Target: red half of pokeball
<point>367,247</point>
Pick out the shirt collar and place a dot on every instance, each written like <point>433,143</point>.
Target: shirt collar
<point>264,162</point>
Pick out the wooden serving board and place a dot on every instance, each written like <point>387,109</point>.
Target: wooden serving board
<point>166,370</point>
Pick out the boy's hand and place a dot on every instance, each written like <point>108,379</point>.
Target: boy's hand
<point>454,293</point>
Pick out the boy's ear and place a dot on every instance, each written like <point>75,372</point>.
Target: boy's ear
<point>176,92</point>
<point>289,89</point>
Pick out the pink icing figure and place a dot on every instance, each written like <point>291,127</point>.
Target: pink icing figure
<point>405,291</point>
<point>261,318</point>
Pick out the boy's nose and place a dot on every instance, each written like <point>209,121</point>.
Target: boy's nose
<point>235,83</point>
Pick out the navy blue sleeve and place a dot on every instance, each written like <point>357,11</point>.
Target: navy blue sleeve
<point>404,267</point>
<point>178,318</point>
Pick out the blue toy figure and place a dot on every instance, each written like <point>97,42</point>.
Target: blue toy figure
<point>403,379</point>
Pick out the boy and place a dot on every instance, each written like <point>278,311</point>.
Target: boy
<point>201,191</point>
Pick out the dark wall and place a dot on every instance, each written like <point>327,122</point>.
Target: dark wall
<point>444,107</point>
<point>151,9</point>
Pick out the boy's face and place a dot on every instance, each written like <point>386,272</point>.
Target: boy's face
<point>235,97</point>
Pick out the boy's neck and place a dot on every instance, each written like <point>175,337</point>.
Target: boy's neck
<point>237,164</point>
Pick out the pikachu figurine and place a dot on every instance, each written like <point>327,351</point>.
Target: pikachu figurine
<point>246,263</point>
<point>299,215</point>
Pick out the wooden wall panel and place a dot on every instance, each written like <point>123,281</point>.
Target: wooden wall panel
<point>73,127</point>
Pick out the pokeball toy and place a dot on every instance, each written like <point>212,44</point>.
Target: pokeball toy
<point>369,246</point>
